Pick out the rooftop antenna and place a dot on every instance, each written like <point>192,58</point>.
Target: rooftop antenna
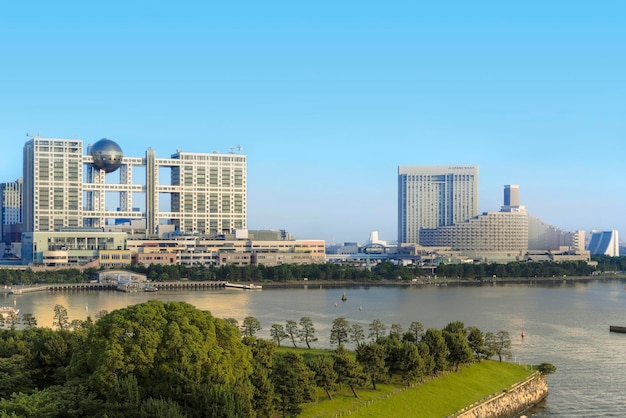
<point>232,150</point>
<point>239,148</point>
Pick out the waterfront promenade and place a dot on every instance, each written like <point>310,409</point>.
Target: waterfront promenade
<point>199,285</point>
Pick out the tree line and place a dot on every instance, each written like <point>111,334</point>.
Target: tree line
<point>169,359</point>
<point>328,272</point>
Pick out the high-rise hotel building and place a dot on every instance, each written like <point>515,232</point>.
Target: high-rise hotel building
<point>11,210</point>
<point>434,196</point>
<point>66,188</point>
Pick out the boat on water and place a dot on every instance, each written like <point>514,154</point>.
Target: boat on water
<point>150,288</point>
<point>617,328</point>
<point>8,311</point>
<point>344,297</point>
<point>252,286</point>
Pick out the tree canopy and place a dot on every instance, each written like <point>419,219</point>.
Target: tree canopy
<point>174,351</point>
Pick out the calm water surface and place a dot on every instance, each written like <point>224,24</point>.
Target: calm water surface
<point>566,324</point>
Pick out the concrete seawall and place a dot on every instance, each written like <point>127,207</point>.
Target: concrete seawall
<point>510,402</point>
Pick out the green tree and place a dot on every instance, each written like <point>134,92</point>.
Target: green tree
<point>162,408</point>
<point>60,318</point>
<point>262,366</point>
<point>437,348</point>
<point>427,358</point>
<point>47,351</point>
<point>476,341</point>
<point>291,328</point>
<point>232,321</point>
<point>101,314</point>
<point>372,358</point>
<point>293,383</point>
<point>411,362</point>
<point>125,395</point>
<point>416,329</point>
<point>377,329</point>
<point>325,374</point>
<point>15,376</point>
<point>546,368</point>
<point>12,319</point>
<point>339,331</point>
<point>490,344</point>
<point>174,351</point>
<point>348,371</point>
<point>459,351</point>
<point>277,332</point>
<point>55,401</point>
<point>29,320</point>
<point>250,326</point>
<point>396,331</point>
<point>307,331</point>
<point>502,345</point>
<point>356,334</point>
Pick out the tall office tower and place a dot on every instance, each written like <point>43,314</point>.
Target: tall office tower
<point>511,199</point>
<point>52,184</point>
<point>434,196</point>
<point>511,195</point>
<point>10,207</point>
<point>65,189</point>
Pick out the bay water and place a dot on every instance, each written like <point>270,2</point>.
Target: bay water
<point>565,323</point>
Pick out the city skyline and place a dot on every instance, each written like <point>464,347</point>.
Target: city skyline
<point>329,100</point>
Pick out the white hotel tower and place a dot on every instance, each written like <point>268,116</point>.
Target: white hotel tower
<point>434,196</point>
<point>64,188</point>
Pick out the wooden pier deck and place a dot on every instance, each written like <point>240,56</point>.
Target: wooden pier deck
<point>58,287</point>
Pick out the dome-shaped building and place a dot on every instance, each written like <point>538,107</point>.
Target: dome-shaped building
<point>107,155</point>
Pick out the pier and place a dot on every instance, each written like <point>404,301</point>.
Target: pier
<point>186,284</point>
<point>60,287</point>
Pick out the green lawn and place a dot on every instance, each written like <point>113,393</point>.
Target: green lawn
<point>439,397</point>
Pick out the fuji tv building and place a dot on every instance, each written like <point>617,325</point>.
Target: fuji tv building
<point>73,189</point>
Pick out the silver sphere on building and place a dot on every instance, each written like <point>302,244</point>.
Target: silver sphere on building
<point>107,155</point>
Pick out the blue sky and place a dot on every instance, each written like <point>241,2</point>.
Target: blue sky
<point>328,98</point>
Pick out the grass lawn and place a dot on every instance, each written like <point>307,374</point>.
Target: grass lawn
<point>439,397</point>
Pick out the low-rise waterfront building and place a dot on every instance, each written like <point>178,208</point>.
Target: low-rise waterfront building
<point>75,247</point>
<point>113,259</point>
<point>604,243</point>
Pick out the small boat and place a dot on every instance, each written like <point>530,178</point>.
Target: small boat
<point>8,312</point>
<point>616,328</point>
<point>523,333</point>
<point>344,297</point>
<point>150,288</point>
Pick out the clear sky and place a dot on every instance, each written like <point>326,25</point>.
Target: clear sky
<point>328,98</point>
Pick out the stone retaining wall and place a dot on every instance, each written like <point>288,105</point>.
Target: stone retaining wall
<point>510,402</point>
